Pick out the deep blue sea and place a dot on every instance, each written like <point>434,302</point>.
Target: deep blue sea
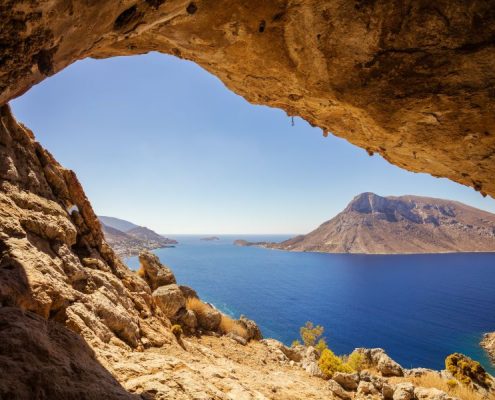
<point>419,308</point>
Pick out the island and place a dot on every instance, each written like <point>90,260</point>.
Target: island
<point>210,238</point>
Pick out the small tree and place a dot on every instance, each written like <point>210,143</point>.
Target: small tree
<point>310,334</point>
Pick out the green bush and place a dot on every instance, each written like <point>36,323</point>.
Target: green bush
<point>466,370</point>
<point>320,346</point>
<point>329,363</point>
<point>311,334</point>
<point>296,343</point>
<point>356,361</point>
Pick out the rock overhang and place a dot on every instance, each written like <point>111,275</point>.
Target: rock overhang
<point>412,81</point>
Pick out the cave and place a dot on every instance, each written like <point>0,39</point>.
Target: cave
<point>412,81</point>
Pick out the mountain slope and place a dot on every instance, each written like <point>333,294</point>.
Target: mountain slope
<point>117,223</point>
<point>405,224</point>
<point>134,240</point>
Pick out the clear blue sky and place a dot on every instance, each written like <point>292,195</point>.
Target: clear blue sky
<point>162,143</point>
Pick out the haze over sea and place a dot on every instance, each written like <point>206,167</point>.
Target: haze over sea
<point>419,308</point>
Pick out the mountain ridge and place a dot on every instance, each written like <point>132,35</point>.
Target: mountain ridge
<point>373,224</point>
<point>134,239</point>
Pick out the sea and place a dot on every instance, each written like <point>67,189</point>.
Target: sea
<point>419,308</point>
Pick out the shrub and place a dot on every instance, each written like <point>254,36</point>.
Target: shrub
<point>466,370</point>
<point>434,380</point>
<point>321,345</point>
<point>310,334</point>
<point>228,325</point>
<point>356,361</point>
<point>177,330</point>
<point>452,383</point>
<point>197,306</point>
<point>329,363</point>
<point>296,343</point>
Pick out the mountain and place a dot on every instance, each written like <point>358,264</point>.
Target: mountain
<point>133,239</point>
<point>117,223</point>
<point>394,225</point>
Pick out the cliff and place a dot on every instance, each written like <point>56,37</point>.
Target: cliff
<point>405,224</point>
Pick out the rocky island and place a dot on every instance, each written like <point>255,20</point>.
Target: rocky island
<point>128,239</point>
<point>210,238</point>
<point>374,224</point>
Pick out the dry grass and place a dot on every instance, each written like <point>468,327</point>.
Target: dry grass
<point>196,305</point>
<point>228,325</point>
<point>432,380</point>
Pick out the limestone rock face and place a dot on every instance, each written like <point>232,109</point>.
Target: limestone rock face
<point>170,299</point>
<point>404,391</point>
<point>253,330</point>
<point>209,320</point>
<point>421,393</point>
<point>153,272</point>
<point>43,359</point>
<point>53,259</point>
<point>382,361</point>
<point>488,344</point>
<point>410,81</point>
<point>347,381</point>
<point>338,390</point>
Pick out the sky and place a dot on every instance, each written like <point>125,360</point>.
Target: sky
<point>161,142</point>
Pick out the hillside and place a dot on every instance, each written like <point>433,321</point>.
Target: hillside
<point>405,224</point>
<point>117,223</point>
<point>133,238</point>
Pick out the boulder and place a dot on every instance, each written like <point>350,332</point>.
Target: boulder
<point>422,393</point>
<point>154,272</point>
<point>188,320</point>
<point>366,388</point>
<point>404,391</point>
<point>347,381</point>
<point>338,390</point>
<point>188,292</point>
<point>237,338</point>
<point>381,361</point>
<point>253,330</point>
<point>387,391</point>
<point>417,372</point>
<point>209,319</point>
<point>313,369</point>
<point>170,299</point>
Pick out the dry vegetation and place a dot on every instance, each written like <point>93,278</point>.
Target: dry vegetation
<point>228,325</point>
<point>196,305</point>
<point>433,380</point>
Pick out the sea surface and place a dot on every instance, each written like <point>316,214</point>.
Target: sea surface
<point>419,308</point>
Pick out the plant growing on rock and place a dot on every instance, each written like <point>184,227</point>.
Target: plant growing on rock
<point>466,370</point>
<point>311,334</point>
<point>329,363</point>
<point>356,361</point>
<point>228,325</point>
